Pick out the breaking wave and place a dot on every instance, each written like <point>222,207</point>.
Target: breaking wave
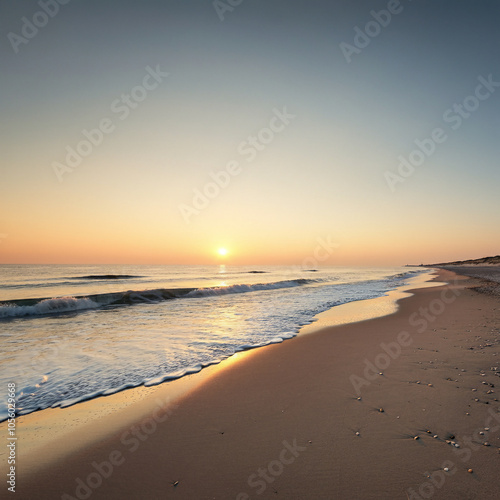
<point>47,306</point>
<point>59,305</point>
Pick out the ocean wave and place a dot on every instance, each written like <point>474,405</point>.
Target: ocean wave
<point>47,306</point>
<point>16,286</point>
<point>403,275</point>
<point>58,305</point>
<point>74,281</point>
<point>244,288</point>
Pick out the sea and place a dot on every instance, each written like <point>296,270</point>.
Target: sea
<point>71,333</point>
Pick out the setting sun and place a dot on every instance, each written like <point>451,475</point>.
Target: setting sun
<point>222,252</point>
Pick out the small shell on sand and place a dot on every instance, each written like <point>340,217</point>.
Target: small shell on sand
<point>357,433</point>
<point>416,438</point>
<point>381,410</point>
<point>446,469</point>
<point>470,471</point>
<point>429,385</point>
<point>435,436</point>
<point>486,443</point>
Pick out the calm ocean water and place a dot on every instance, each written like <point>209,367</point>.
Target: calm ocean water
<point>71,333</point>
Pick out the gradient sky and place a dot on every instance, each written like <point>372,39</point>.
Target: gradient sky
<point>322,176</point>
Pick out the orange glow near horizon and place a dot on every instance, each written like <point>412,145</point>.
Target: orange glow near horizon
<point>59,244</point>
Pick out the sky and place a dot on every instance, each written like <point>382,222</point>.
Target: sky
<point>157,132</point>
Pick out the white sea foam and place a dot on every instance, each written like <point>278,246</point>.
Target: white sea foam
<point>47,306</point>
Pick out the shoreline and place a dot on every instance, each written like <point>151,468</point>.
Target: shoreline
<point>73,420</point>
<point>302,390</point>
<point>29,371</point>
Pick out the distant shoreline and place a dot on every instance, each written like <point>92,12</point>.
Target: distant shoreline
<point>483,261</point>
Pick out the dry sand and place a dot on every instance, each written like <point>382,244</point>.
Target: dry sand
<point>285,421</point>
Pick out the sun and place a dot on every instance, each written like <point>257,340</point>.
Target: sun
<point>222,252</point>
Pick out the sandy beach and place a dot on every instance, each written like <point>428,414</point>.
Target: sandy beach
<point>401,406</point>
